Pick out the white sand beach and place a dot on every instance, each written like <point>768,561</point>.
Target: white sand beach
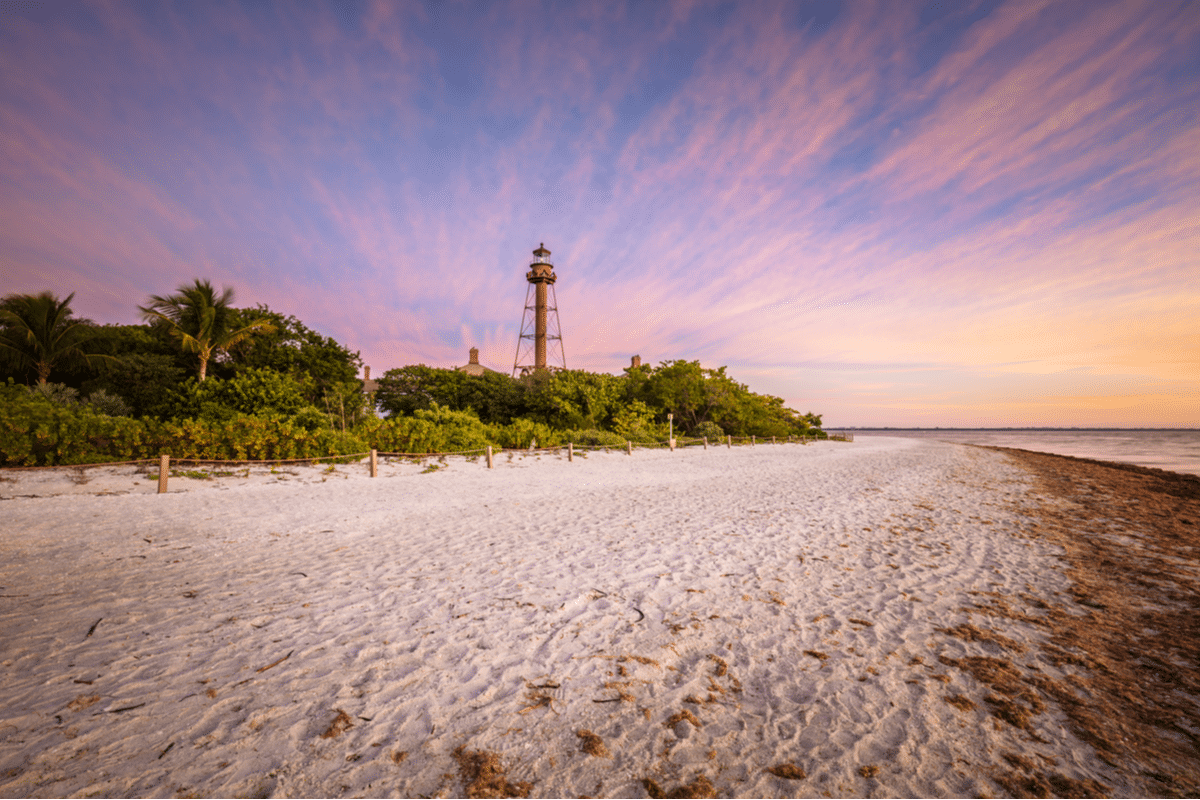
<point>769,621</point>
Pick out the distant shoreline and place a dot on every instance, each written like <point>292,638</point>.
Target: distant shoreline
<point>1172,449</point>
<point>1163,474</point>
<point>1163,430</point>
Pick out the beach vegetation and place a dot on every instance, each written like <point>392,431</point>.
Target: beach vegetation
<point>710,430</point>
<point>57,393</point>
<point>290,347</point>
<point>257,392</point>
<point>110,405</point>
<point>100,400</point>
<point>39,332</point>
<point>524,433</point>
<point>433,430</point>
<point>634,422</point>
<point>696,396</point>
<point>36,430</point>
<point>148,383</point>
<point>203,379</point>
<point>494,397</point>
<point>408,389</point>
<point>689,392</point>
<point>325,371</point>
<point>194,474</point>
<point>346,404</point>
<point>201,321</point>
<point>572,399</point>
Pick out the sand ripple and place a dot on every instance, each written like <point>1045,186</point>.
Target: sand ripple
<point>714,614</point>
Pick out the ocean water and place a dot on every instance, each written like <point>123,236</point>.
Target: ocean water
<point>1175,450</point>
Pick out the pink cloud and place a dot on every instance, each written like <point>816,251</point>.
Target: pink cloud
<point>812,209</point>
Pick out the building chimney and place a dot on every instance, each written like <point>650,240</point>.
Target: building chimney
<point>366,373</point>
<point>636,361</point>
<point>474,355</point>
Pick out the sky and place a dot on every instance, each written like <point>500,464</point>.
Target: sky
<point>955,214</point>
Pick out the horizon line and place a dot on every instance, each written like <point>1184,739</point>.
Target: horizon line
<point>1005,428</point>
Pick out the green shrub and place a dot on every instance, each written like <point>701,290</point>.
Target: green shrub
<point>148,382</point>
<point>57,393</point>
<point>255,392</point>
<point>311,418</point>
<point>635,422</point>
<point>110,405</point>
<point>521,433</point>
<point>37,432</point>
<point>34,431</point>
<point>252,438</point>
<point>709,429</point>
<point>432,430</point>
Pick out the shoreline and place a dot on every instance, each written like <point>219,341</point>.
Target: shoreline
<point>863,619</point>
<point>1183,479</point>
<point>1132,541</point>
<point>1175,450</point>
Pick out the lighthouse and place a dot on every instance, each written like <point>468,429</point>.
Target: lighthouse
<point>540,342</point>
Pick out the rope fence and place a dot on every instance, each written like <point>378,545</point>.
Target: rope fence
<point>165,461</point>
<point>256,462</point>
<point>80,466</point>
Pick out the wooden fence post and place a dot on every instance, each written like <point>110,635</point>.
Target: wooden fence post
<point>728,442</point>
<point>489,456</point>
<point>752,440</point>
<point>570,451</point>
<point>705,442</point>
<point>772,440</point>
<point>164,469</point>
<point>628,447</point>
<point>374,464</point>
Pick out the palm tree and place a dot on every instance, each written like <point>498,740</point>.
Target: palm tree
<point>199,319</point>
<point>38,330</point>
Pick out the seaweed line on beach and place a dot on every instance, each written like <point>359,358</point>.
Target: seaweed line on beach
<point>1132,541</point>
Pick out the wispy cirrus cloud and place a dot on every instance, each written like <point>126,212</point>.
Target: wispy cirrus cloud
<point>889,211</point>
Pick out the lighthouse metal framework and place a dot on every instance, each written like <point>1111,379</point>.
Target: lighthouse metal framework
<point>540,347</point>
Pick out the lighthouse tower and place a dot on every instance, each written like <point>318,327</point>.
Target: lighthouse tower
<point>540,341</point>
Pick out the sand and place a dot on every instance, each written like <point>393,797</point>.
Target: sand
<point>889,617</point>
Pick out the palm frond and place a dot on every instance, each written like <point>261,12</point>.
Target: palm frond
<point>37,331</point>
<point>241,334</point>
<point>199,318</point>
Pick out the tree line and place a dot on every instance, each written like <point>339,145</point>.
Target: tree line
<point>202,378</point>
<point>634,406</point>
